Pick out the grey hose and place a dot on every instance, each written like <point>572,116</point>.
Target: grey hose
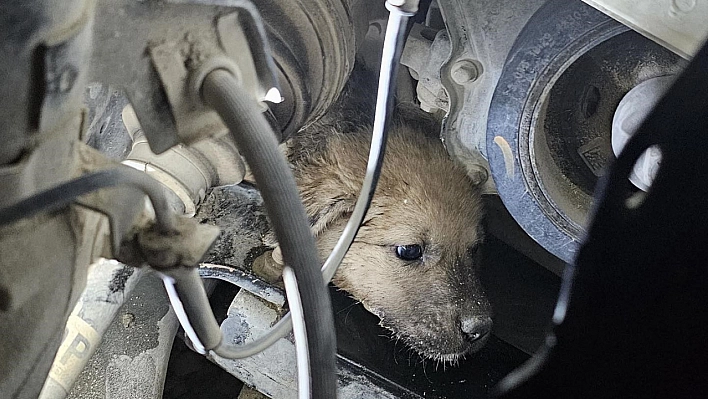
<point>66,193</point>
<point>258,144</point>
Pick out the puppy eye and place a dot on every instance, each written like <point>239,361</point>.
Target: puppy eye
<point>409,252</point>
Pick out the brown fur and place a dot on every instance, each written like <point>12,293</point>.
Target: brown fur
<point>423,198</point>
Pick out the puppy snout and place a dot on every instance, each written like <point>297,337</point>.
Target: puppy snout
<point>476,327</point>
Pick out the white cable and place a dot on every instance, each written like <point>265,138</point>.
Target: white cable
<point>301,353</point>
<point>396,21</point>
<point>181,314</point>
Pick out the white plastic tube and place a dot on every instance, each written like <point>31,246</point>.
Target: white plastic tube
<point>299,330</point>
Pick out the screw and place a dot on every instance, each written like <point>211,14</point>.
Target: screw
<point>465,71</point>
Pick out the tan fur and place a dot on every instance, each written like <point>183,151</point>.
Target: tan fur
<point>423,198</point>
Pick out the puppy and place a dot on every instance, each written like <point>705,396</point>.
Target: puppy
<point>414,262</point>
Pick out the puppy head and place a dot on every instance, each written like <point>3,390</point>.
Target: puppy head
<point>413,262</point>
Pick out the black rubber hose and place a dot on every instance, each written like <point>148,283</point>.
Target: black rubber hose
<point>258,144</point>
<point>66,193</point>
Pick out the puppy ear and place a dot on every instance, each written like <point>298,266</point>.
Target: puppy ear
<point>318,224</point>
<point>320,221</point>
<point>329,214</point>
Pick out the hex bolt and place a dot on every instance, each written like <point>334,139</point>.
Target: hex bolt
<point>464,71</point>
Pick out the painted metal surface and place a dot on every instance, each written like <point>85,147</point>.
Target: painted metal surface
<point>679,25</point>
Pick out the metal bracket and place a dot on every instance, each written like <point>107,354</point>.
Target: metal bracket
<point>150,50</point>
<point>478,41</point>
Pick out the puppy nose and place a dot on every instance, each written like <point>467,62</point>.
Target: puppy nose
<point>476,327</point>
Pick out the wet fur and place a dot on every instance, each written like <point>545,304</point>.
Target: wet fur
<point>423,198</point>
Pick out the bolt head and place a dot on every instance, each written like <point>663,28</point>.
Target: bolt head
<point>464,71</point>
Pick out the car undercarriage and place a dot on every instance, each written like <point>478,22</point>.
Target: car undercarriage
<point>140,174</point>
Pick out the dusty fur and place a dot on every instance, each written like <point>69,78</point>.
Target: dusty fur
<point>423,198</point>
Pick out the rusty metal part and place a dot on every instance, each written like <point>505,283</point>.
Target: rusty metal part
<point>269,268</point>
<point>679,25</point>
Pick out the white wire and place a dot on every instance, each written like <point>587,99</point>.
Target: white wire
<point>396,19</point>
<point>299,330</point>
<point>181,314</point>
